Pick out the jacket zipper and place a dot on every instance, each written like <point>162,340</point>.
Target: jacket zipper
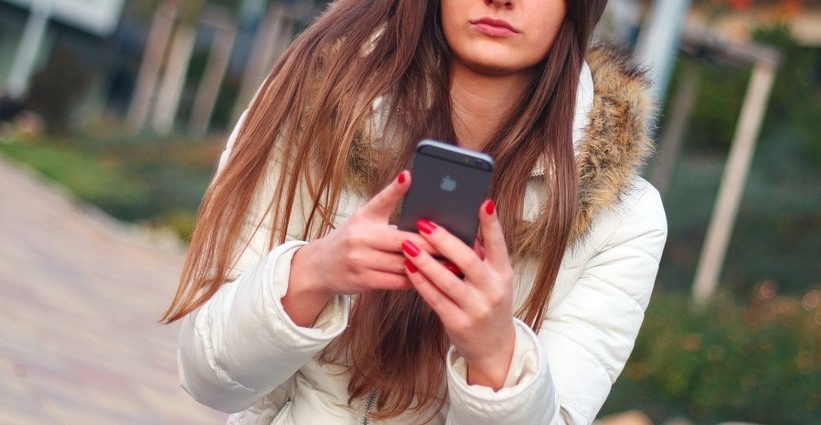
<point>281,412</point>
<point>369,405</point>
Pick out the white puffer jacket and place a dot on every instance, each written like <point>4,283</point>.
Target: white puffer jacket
<point>241,353</point>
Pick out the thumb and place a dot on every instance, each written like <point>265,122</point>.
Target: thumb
<point>382,205</point>
<point>495,248</point>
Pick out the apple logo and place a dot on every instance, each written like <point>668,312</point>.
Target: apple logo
<point>448,184</point>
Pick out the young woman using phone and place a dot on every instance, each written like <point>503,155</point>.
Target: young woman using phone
<point>302,303</point>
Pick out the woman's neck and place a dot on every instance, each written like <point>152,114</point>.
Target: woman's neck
<point>481,102</point>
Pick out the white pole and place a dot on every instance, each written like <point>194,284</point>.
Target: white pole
<point>145,88</point>
<point>262,55</point>
<point>30,45</point>
<point>658,42</point>
<point>673,134</point>
<point>732,182</point>
<point>171,85</point>
<point>206,98</point>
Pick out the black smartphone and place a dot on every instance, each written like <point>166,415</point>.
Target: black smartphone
<point>448,186</point>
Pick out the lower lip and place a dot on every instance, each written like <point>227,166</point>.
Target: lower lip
<point>494,30</point>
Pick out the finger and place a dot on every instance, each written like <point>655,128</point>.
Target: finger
<point>385,262</point>
<point>494,245</point>
<point>382,205</point>
<point>453,268</point>
<point>450,247</point>
<point>389,239</point>
<point>443,305</point>
<point>477,248</point>
<point>438,275</point>
<point>373,279</point>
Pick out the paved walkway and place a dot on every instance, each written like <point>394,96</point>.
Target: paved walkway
<point>80,296</point>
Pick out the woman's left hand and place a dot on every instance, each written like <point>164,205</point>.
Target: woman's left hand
<point>477,312</point>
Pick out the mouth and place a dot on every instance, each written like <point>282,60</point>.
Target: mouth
<point>494,27</point>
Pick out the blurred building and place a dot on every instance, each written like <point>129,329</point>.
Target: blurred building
<point>91,51</point>
<point>738,19</point>
<point>56,56</point>
<point>90,58</point>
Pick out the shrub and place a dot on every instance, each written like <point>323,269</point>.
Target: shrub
<point>759,362</point>
<point>776,235</point>
<point>103,185</point>
<point>793,107</point>
<point>795,102</point>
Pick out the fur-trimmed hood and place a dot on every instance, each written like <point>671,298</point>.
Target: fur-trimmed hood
<point>616,140</point>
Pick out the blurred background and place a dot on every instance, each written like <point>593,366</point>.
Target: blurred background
<point>113,114</point>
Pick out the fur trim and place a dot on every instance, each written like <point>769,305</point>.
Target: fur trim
<point>616,141</point>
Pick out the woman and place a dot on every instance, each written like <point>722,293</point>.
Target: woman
<point>302,304</point>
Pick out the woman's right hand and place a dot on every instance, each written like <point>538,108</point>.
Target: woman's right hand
<point>362,254</point>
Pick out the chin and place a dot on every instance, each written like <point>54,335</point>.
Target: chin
<point>498,69</point>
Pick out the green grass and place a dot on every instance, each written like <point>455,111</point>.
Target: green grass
<point>83,174</point>
<point>136,178</point>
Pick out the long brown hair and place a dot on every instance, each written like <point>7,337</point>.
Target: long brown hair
<point>316,109</point>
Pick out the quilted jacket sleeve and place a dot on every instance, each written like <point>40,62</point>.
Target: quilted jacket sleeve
<point>223,343</point>
<point>564,374</point>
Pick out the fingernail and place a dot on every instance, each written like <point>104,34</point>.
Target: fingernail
<point>453,269</point>
<point>490,207</point>
<point>425,226</point>
<point>410,248</point>
<point>401,178</point>
<point>411,268</point>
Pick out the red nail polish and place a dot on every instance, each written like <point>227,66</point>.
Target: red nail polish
<point>425,226</point>
<point>401,178</point>
<point>490,207</point>
<point>452,268</point>
<point>410,248</point>
<point>410,266</point>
